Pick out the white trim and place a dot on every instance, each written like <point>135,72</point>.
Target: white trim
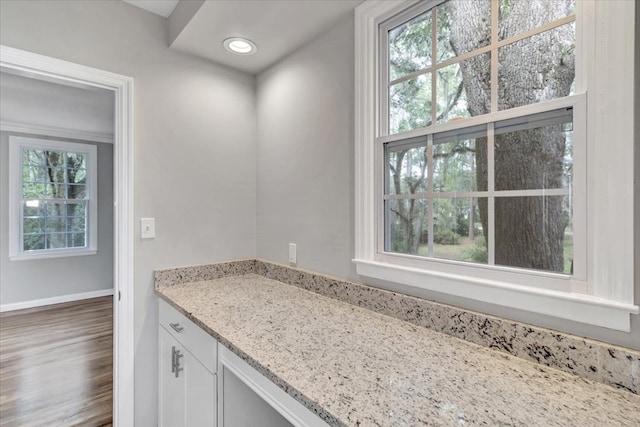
<point>564,305</point>
<point>41,130</point>
<point>611,143</point>
<point>498,273</point>
<point>54,300</point>
<point>498,116</point>
<point>52,253</point>
<point>124,260</point>
<point>368,15</point>
<point>606,196</point>
<point>467,194</point>
<point>46,68</point>
<point>292,410</point>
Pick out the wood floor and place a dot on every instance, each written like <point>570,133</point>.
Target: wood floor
<point>56,365</point>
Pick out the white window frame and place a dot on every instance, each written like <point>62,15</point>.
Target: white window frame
<point>601,290</point>
<point>16,221</point>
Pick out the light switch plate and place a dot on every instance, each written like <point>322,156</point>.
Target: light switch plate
<point>147,228</point>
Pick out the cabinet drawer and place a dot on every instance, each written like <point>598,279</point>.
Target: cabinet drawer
<point>202,345</point>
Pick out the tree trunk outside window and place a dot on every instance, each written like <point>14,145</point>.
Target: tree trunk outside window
<point>529,231</point>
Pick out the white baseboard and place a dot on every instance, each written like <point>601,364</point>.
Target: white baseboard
<point>55,300</point>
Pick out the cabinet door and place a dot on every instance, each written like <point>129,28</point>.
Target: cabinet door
<point>200,393</point>
<point>171,388</point>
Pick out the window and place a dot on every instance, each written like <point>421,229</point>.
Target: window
<point>440,203</point>
<point>53,195</point>
<point>478,126</point>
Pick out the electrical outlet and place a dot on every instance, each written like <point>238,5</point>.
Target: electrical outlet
<point>292,253</point>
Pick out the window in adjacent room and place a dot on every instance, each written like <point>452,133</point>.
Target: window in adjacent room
<point>53,202</point>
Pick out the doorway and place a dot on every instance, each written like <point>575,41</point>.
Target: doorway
<point>56,71</point>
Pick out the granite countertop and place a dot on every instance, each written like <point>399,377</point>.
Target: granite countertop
<point>355,367</point>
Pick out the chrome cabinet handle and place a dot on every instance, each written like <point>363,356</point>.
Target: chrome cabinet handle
<point>179,355</point>
<point>176,327</point>
<point>173,359</point>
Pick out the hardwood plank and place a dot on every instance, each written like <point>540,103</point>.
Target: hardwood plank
<point>56,365</point>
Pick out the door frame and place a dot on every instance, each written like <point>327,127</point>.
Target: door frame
<point>64,72</point>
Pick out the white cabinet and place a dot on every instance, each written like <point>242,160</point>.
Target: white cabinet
<point>202,383</point>
<point>200,391</point>
<point>171,388</point>
<point>187,372</point>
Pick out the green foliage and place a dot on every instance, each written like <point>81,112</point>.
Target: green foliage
<point>478,252</point>
<point>504,8</point>
<point>410,46</point>
<point>446,237</point>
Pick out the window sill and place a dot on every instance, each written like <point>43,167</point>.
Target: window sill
<point>56,254</point>
<point>564,305</point>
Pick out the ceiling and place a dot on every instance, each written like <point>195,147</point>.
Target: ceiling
<point>159,7</point>
<point>277,27</point>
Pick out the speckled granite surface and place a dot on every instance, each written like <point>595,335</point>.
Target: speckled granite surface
<point>355,367</point>
<point>194,273</point>
<point>613,365</point>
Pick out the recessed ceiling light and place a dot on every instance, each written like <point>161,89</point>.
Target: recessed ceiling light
<point>240,46</point>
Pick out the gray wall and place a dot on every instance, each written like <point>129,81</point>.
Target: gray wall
<point>29,280</point>
<point>26,100</point>
<point>305,155</point>
<point>194,143</point>
<point>305,174</point>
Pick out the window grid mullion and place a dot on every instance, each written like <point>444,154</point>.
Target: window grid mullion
<point>497,194</point>
<point>430,194</point>
<point>434,73</point>
<point>494,55</point>
<point>491,244</point>
<point>384,84</point>
<point>386,210</point>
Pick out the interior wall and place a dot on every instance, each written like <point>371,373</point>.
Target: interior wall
<point>28,280</point>
<point>305,176</point>
<point>194,144</point>
<point>29,101</point>
<point>305,108</point>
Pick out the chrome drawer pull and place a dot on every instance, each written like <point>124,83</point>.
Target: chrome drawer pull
<point>176,327</point>
<point>179,355</point>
